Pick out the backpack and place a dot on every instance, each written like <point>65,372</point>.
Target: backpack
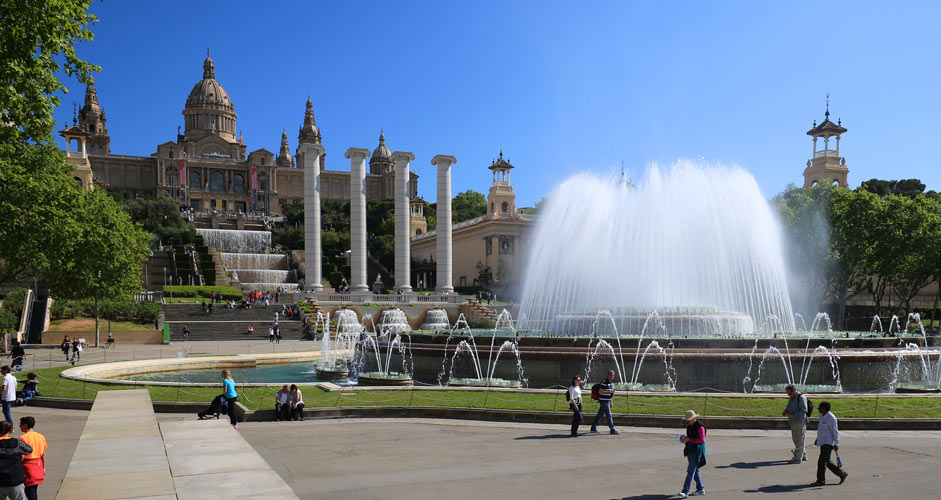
<point>595,394</point>
<point>810,406</point>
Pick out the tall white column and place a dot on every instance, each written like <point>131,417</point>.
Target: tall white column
<point>313,255</point>
<point>403,217</point>
<point>357,158</point>
<point>443,231</point>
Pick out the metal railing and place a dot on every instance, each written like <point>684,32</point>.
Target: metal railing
<point>825,153</point>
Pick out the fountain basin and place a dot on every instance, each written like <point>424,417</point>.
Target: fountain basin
<point>807,389</point>
<point>379,378</point>
<point>916,387</point>
<point>334,372</point>
<point>643,387</point>
<point>483,382</point>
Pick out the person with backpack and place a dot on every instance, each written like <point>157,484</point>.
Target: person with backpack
<point>574,397</point>
<point>604,391</point>
<point>798,410</point>
<point>695,452</point>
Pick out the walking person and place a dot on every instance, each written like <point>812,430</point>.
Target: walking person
<point>8,392</point>
<point>76,350</point>
<point>17,353</point>
<point>34,463</point>
<point>575,403</point>
<point>65,347</point>
<point>605,393</point>
<point>796,413</point>
<point>828,439</point>
<point>695,452</point>
<point>230,397</point>
<point>11,464</point>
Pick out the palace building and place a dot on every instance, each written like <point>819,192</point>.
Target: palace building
<point>207,167</point>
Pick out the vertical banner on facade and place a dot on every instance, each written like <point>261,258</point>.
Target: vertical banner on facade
<point>182,174</point>
<point>254,179</point>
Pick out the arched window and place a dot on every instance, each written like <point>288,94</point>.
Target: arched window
<point>238,183</point>
<point>78,182</point>
<point>262,181</point>
<point>216,182</point>
<point>171,154</point>
<point>836,182</point>
<point>417,231</point>
<point>195,180</point>
<point>505,207</point>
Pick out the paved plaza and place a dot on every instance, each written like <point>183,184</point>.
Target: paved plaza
<point>361,458</point>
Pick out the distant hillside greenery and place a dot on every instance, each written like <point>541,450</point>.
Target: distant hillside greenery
<point>158,215</point>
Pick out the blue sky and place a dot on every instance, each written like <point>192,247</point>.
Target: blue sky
<point>559,86</point>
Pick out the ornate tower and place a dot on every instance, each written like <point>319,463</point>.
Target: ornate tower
<point>284,156</point>
<point>308,133</point>
<point>81,167</point>
<point>826,165</point>
<point>91,119</point>
<point>418,224</point>
<point>501,200</point>
<point>209,111</point>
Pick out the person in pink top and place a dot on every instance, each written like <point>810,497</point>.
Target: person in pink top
<point>695,453</point>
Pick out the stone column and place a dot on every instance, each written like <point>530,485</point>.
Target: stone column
<point>357,158</point>
<point>313,256</point>
<point>443,231</point>
<point>403,252</point>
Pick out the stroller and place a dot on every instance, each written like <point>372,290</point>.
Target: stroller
<point>216,408</point>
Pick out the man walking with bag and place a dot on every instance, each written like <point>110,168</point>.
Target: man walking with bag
<point>796,413</point>
<point>828,439</point>
<point>605,393</point>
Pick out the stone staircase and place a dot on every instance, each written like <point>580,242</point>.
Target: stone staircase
<point>227,324</point>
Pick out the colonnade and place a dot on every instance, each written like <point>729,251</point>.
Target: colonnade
<point>313,253</point>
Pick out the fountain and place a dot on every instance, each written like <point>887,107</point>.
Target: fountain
<point>603,347</point>
<point>436,319</point>
<point>347,322</point>
<point>393,321</point>
<point>798,379</point>
<point>231,240</point>
<point>330,366</point>
<point>467,349</point>
<point>383,375</point>
<point>260,271</point>
<point>699,243</point>
<point>930,377</point>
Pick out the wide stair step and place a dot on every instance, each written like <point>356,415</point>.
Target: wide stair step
<point>238,330</point>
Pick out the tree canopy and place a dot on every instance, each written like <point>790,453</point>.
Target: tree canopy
<point>468,205</point>
<point>37,41</point>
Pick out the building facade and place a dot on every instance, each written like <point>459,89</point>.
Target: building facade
<point>490,250</point>
<point>208,168</point>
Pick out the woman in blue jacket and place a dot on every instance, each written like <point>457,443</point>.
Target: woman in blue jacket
<point>230,396</point>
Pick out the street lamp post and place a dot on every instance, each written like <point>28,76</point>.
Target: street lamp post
<point>171,288</point>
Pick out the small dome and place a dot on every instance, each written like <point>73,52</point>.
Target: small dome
<point>381,150</point>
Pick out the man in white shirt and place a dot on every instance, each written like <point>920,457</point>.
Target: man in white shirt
<point>8,392</point>
<point>828,439</point>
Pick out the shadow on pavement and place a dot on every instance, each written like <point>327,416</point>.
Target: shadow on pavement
<point>782,488</point>
<point>754,465</point>
<point>646,497</point>
<point>547,436</point>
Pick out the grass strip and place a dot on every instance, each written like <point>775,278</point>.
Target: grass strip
<point>255,398</point>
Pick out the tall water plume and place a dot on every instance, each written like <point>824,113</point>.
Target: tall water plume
<point>690,240</point>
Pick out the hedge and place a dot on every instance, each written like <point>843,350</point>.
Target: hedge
<point>227,292</point>
<point>116,310</point>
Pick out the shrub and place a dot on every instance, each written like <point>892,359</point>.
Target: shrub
<point>482,324</point>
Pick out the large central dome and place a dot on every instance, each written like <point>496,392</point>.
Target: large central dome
<point>208,93</point>
<point>209,111</point>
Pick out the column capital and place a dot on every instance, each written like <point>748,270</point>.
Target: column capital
<point>403,156</point>
<point>444,159</point>
<point>308,148</point>
<point>350,153</point>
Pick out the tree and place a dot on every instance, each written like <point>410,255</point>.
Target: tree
<point>467,205</point>
<point>106,255</point>
<point>903,187</point>
<point>37,41</point>
<point>850,262</point>
<point>38,207</point>
<point>158,215</point>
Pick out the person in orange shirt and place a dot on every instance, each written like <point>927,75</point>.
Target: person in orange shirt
<point>34,464</point>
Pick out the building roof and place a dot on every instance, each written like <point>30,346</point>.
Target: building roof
<point>500,164</point>
<point>826,127</point>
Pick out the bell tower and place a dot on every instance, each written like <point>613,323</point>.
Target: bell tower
<point>826,165</point>
<point>501,200</point>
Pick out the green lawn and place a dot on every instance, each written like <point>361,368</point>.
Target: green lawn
<point>707,404</point>
<point>88,325</point>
